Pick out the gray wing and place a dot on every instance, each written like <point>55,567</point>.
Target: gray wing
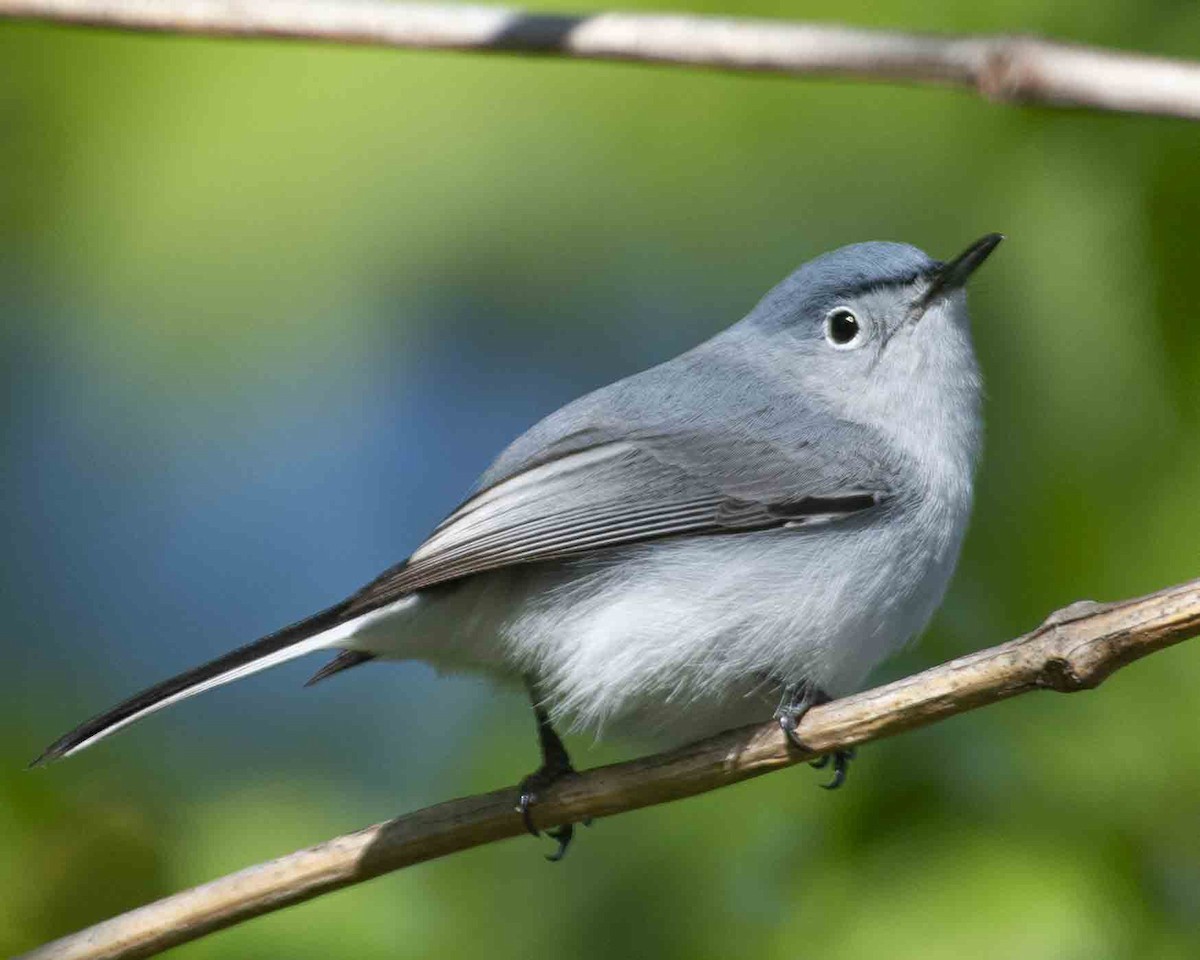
<point>576,497</point>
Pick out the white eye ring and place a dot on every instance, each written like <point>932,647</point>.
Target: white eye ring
<point>843,329</point>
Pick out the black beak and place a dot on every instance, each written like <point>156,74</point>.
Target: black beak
<point>950,276</point>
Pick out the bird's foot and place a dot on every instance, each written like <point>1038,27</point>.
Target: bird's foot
<point>534,784</point>
<point>841,765</point>
<point>796,702</point>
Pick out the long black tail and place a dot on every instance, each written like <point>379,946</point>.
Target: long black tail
<point>286,644</point>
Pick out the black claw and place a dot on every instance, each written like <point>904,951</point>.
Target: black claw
<point>530,787</point>
<point>839,778</point>
<point>563,835</point>
<point>796,702</point>
<point>841,765</point>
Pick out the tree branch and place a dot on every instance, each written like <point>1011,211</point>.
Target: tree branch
<point>1074,649</point>
<point>1003,68</point>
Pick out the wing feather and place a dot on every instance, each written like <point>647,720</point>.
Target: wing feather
<point>621,493</point>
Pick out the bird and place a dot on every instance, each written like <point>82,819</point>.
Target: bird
<point>739,533</point>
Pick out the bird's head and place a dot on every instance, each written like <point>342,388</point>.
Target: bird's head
<point>878,332</point>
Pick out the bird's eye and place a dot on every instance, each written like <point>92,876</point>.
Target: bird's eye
<point>842,328</point>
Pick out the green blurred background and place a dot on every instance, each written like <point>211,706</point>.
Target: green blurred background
<point>267,310</point>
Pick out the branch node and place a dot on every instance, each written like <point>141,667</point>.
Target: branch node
<point>1058,674</point>
<point>1008,73</point>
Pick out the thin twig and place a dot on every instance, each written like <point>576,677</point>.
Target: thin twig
<point>1004,68</point>
<point>1074,649</point>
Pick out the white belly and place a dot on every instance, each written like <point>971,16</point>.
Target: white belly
<point>684,637</point>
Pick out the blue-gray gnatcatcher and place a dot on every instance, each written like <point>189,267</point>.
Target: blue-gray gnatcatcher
<point>770,514</point>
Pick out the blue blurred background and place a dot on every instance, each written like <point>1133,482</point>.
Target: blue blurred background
<point>267,309</point>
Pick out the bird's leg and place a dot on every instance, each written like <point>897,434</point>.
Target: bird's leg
<point>797,700</point>
<point>555,765</point>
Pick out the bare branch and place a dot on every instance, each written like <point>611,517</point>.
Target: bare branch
<point>1003,68</point>
<point>1074,649</point>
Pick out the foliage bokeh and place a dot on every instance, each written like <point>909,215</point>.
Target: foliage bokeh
<point>267,310</point>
